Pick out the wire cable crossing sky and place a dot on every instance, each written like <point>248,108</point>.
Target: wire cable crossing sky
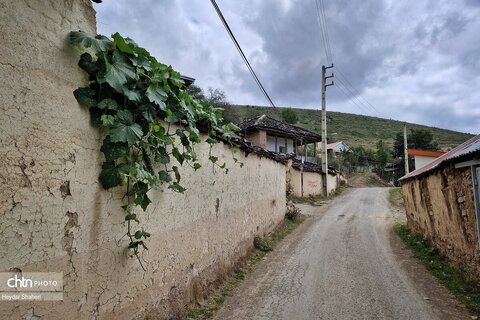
<point>409,61</point>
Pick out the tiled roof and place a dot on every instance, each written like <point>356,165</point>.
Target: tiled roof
<point>333,145</point>
<point>469,147</point>
<point>280,128</point>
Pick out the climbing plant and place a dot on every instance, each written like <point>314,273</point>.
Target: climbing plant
<point>151,123</point>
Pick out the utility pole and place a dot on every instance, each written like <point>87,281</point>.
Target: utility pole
<point>405,149</point>
<point>324,124</point>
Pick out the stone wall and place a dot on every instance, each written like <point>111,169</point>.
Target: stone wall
<point>440,206</point>
<point>57,218</point>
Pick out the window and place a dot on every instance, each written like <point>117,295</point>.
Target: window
<point>282,149</point>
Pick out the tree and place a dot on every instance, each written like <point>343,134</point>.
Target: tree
<point>382,154</point>
<point>417,139</point>
<point>196,92</point>
<point>217,98</point>
<point>289,115</point>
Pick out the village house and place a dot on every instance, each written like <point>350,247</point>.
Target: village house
<point>442,204</point>
<point>423,157</point>
<point>305,176</point>
<point>337,147</point>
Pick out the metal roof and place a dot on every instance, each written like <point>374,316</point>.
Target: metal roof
<point>469,147</point>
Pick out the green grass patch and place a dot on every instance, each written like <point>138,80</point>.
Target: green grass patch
<point>465,289</point>
<point>356,130</point>
<point>395,198</point>
<point>263,246</point>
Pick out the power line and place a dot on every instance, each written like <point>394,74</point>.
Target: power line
<point>341,86</point>
<point>355,96</point>
<point>326,31</point>
<point>321,25</point>
<point>237,45</point>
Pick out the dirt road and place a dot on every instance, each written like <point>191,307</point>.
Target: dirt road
<point>339,265</point>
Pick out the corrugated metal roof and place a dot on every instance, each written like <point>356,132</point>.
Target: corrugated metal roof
<point>475,146</point>
<point>468,147</point>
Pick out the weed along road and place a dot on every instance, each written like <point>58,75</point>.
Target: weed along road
<point>339,264</point>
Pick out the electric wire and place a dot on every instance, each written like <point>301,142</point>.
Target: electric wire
<point>240,51</point>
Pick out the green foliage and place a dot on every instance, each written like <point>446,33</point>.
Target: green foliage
<point>416,139</point>
<point>356,130</point>
<point>382,154</point>
<point>261,244</point>
<point>137,100</point>
<point>465,289</point>
<point>292,213</point>
<point>289,115</point>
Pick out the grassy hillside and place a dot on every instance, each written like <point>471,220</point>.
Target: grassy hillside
<point>356,130</point>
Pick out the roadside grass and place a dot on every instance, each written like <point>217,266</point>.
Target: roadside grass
<point>315,200</point>
<point>395,198</point>
<point>465,289</point>
<point>262,247</point>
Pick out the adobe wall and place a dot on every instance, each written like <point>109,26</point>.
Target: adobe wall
<point>56,217</point>
<point>440,206</point>
<point>258,138</point>
<point>312,183</point>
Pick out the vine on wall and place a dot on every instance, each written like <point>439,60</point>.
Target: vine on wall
<point>137,100</point>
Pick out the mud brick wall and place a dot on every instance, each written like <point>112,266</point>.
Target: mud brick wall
<point>55,216</point>
<point>440,206</point>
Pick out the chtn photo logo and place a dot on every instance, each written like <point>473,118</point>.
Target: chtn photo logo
<point>19,282</point>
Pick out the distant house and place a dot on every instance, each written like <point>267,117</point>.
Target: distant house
<point>304,176</point>
<point>337,147</point>
<point>422,157</point>
<point>442,204</point>
<point>279,136</point>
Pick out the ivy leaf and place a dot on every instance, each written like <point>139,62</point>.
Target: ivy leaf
<point>177,187</point>
<point>121,44</point>
<point>161,156</point>
<point>85,96</point>
<point>95,116</point>
<point>107,120</point>
<point>87,64</point>
<point>110,176</point>
<point>141,62</point>
<point>108,104</point>
<point>177,173</point>
<point>131,216</point>
<point>197,166</point>
<point>157,95</point>
<point>131,95</point>
<point>96,43</point>
<point>113,150</point>
<point>177,155</point>
<point>213,159</point>
<point>143,201</point>
<point>129,133</point>
<point>164,176</point>
<point>119,71</point>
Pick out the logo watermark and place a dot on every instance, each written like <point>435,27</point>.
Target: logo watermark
<point>31,286</point>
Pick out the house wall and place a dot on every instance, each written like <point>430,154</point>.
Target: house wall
<point>440,206</point>
<point>258,138</point>
<point>420,161</point>
<point>57,218</point>
<point>312,183</point>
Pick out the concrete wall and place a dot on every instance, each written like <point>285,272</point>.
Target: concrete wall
<point>57,218</point>
<point>440,206</point>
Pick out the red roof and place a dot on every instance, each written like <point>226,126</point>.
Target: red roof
<point>425,153</point>
<point>333,145</point>
<point>452,154</point>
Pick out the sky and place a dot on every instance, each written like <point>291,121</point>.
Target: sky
<point>415,61</point>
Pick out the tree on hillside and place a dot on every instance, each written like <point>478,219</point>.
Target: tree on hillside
<point>382,154</point>
<point>217,98</point>
<point>289,115</point>
<point>196,92</point>
<point>416,139</point>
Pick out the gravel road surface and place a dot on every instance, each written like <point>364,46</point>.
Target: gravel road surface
<point>339,264</point>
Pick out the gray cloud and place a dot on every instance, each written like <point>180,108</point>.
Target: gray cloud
<point>414,61</point>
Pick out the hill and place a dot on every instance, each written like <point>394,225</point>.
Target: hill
<point>356,130</point>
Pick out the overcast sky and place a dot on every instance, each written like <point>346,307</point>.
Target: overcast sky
<point>415,61</point>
